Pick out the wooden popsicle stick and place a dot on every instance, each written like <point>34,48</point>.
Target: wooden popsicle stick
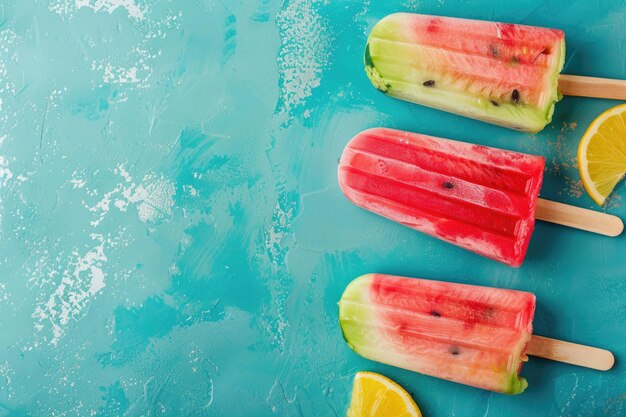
<point>578,218</point>
<point>576,85</point>
<point>572,353</point>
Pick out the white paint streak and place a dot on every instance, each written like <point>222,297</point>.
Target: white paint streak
<point>68,7</point>
<point>102,207</point>
<point>123,173</point>
<point>81,281</point>
<point>189,189</point>
<point>280,227</point>
<point>6,378</point>
<point>5,172</point>
<point>275,251</point>
<point>4,294</point>
<point>303,54</point>
<point>76,183</point>
<point>110,6</point>
<point>120,75</point>
<point>153,197</point>
<point>136,74</point>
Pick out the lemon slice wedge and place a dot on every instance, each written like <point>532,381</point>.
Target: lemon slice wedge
<point>602,153</point>
<point>374,395</point>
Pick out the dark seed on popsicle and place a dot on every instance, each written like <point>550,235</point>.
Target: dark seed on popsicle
<point>435,313</point>
<point>515,96</point>
<point>454,350</point>
<point>494,50</point>
<point>448,185</point>
<point>429,83</point>
<point>495,103</point>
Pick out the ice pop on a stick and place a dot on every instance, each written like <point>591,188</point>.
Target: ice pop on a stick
<point>480,198</point>
<point>501,73</point>
<point>478,336</point>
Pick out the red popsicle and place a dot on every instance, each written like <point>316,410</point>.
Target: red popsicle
<point>480,198</point>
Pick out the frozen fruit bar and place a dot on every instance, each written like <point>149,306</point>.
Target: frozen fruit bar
<point>463,333</point>
<point>482,199</point>
<point>499,73</point>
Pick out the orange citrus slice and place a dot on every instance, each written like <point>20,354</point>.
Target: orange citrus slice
<point>374,395</point>
<point>602,153</point>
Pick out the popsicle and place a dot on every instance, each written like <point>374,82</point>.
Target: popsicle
<point>479,198</point>
<point>473,335</point>
<point>500,73</point>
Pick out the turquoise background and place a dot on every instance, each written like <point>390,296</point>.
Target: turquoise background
<point>172,237</point>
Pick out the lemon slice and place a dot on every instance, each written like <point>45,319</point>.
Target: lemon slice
<point>602,153</point>
<point>374,395</point>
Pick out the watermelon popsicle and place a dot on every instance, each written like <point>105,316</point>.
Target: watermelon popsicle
<point>479,198</point>
<point>473,335</point>
<point>500,73</point>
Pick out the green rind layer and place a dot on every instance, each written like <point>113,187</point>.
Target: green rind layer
<point>373,74</point>
<point>516,385</point>
<point>357,290</point>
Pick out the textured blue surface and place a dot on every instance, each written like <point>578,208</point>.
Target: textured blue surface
<point>173,240</point>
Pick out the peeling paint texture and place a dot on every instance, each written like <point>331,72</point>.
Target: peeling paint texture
<point>173,241</point>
